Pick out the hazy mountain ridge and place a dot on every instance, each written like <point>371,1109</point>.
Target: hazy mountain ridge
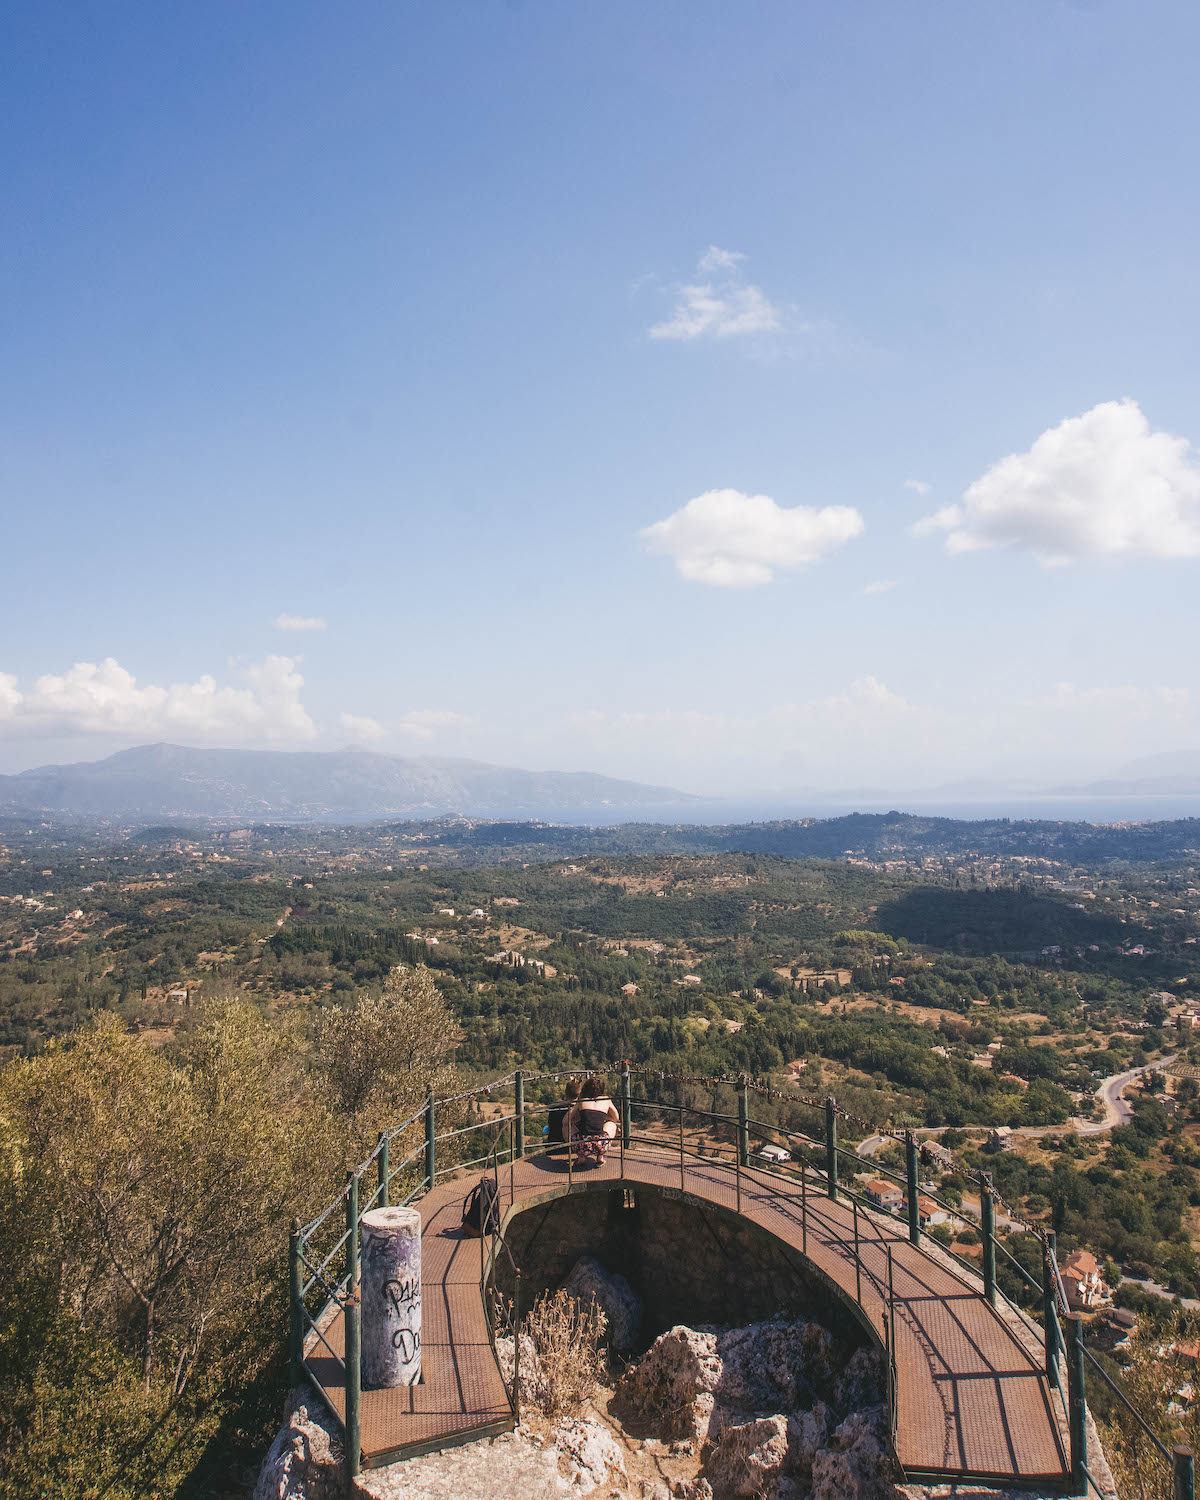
<point>153,781</point>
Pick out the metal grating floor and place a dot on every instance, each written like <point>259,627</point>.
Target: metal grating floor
<point>972,1397</point>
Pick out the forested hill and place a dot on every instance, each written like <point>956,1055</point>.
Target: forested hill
<point>875,836</point>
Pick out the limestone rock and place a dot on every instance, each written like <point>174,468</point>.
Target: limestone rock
<point>773,1366</point>
<point>860,1384</point>
<point>510,1465</point>
<point>808,1432</point>
<point>533,1379</point>
<point>857,1466</point>
<point>589,1454</point>
<point>302,1463</point>
<point>750,1458</point>
<point>614,1296</point>
<point>692,1489</point>
<point>672,1385</point>
<point>697,1383</point>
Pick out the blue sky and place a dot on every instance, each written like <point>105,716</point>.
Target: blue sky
<point>478,334</point>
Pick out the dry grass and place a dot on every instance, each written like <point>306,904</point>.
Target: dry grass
<point>569,1337</point>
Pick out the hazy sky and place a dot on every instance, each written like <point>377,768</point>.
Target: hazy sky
<point>731,395</point>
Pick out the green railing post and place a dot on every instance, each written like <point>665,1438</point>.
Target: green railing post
<point>914,1188</point>
<point>857,1255</point>
<point>430,1141</point>
<point>988,1213</point>
<point>831,1151</point>
<point>296,1306</point>
<point>519,1110</point>
<point>1185,1472</point>
<point>351,1231</point>
<point>382,1161</point>
<point>743,1124</point>
<point>682,1179</point>
<point>1077,1404</point>
<point>625,1105</point>
<point>353,1387</point>
<point>1050,1309</point>
<point>517,1343</point>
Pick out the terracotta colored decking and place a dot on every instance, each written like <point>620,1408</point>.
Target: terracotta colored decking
<point>972,1399</point>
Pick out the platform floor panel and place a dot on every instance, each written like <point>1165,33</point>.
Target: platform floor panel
<point>972,1397</point>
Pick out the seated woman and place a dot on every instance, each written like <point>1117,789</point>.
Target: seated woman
<point>593,1122</point>
<point>556,1126</point>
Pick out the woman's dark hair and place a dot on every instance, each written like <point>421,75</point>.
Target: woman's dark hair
<point>571,1090</point>
<point>595,1088</point>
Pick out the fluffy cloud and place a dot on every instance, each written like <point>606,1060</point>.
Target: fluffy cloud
<point>918,486</point>
<point>359,727</point>
<point>1100,485</point>
<point>299,622</point>
<point>884,586</point>
<point>103,698</point>
<point>723,306</point>
<point>424,723</point>
<point>732,540</point>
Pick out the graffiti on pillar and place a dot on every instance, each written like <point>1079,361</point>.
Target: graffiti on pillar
<point>391,1282</point>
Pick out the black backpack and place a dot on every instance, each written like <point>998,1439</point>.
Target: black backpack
<point>481,1212</point>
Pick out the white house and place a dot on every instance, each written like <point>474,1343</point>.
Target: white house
<point>1084,1285</point>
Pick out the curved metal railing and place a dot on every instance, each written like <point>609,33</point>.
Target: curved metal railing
<point>326,1263</point>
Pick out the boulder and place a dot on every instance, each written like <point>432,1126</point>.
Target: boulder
<point>857,1465</point>
<point>303,1463</point>
<point>749,1460</point>
<point>533,1379</point>
<point>860,1384</point>
<point>589,1454</point>
<point>773,1366</point>
<point>618,1301</point>
<point>808,1432</point>
<point>670,1389</point>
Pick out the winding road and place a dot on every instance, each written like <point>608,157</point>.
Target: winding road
<point>1110,1092</point>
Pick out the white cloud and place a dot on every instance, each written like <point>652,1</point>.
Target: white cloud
<point>103,698</point>
<point>359,727</point>
<point>424,723</point>
<point>732,540</point>
<point>299,622</point>
<point>918,486</point>
<point>716,259</point>
<point>1099,485</point>
<point>724,306</point>
<point>884,586</point>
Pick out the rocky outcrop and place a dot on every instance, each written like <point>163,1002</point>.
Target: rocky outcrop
<point>694,1383</point>
<point>588,1454</point>
<point>750,1458</point>
<point>621,1305</point>
<point>860,1384</point>
<point>773,1366</point>
<point>857,1465</point>
<point>304,1462</point>
<point>670,1389</point>
<point>533,1377</point>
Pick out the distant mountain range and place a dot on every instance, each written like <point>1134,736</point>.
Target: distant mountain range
<point>168,781</point>
<point>1174,773</point>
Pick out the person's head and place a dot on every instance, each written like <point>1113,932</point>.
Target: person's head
<point>596,1087</point>
<point>571,1090</point>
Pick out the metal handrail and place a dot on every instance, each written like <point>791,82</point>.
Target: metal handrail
<point>741,1124</point>
<point>1127,1404</point>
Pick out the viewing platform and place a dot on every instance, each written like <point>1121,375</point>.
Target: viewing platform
<point>968,1391</point>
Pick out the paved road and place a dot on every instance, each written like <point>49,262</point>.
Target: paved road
<point>1110,1092</point>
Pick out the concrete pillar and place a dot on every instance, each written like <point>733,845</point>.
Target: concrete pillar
<point>391,1298</point>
